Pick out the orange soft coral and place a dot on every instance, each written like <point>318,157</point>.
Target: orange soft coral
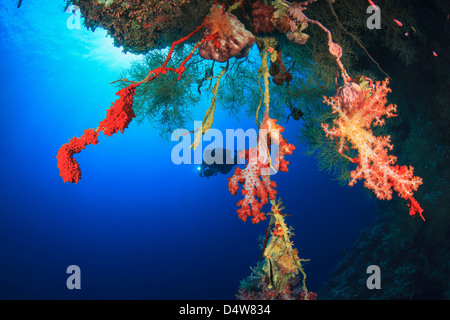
<point>358,110</point>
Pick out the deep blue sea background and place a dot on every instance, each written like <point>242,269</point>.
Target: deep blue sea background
<point>138,226</point>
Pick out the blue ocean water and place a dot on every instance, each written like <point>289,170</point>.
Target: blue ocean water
<point>137,225</point>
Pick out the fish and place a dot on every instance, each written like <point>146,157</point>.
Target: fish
<point>398,23</point>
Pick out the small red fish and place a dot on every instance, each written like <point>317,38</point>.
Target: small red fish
<point>435,54</point>
<point>398,23</point>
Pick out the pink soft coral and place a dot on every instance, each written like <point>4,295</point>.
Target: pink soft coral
<point>358,110</point>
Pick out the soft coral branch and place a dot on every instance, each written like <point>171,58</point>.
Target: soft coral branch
<point>358,110</point>
<point>257,186</point>
<point>117,119</point>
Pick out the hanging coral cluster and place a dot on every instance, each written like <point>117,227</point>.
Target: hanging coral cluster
<point>69,169</point>
<point>358,110</point>
<point>230,38</point>
<point>280,274</point>
<point>256,176</point>
<point>117,118</point>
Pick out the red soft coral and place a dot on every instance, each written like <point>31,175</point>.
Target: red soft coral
<point>257,186</point>
<point>119,116</point>
<point>67,165</point>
